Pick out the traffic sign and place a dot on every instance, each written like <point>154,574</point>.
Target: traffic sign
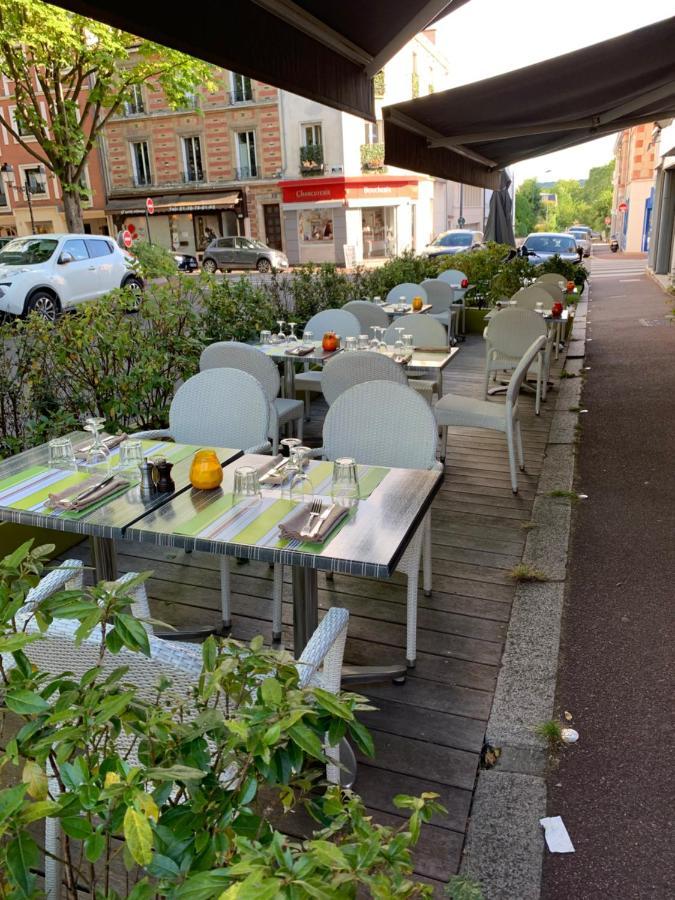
<point>461,221</point>
<point>127,238</point>
<point>622,207</point>
<point>149,205</point>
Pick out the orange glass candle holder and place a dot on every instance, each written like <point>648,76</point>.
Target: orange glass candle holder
<point>206,473</point>
<point>329,342</point>
<point>417,304</point>
<point>570,286</point>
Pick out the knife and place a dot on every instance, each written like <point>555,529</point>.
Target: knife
<point>319,522</point>
<point>92,490</point>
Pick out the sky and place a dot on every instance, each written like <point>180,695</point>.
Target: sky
<point>488,37</point>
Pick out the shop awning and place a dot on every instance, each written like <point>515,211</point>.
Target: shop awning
<point>469,133</point>
<point>134,206</point>
<point>328,52</point>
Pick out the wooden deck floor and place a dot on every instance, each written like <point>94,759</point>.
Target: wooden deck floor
<point>429,732</point>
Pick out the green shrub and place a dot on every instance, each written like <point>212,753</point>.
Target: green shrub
<point>313,288</point>
<point>571,271</point>
<point>378,282</point>
<point>154,261</point>
<point>188,807</point>
<point>236,310</point>
<point>492,277</point>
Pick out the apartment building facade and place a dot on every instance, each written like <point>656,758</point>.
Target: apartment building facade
<point>211,168</point>
<point>635,152</point>
<point>31,199</point>
<point>340,203</point>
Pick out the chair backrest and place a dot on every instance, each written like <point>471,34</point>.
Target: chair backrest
<point>556,292</point>
<point>347,369</point>
<point>552,278</point>
<point>453,277</point>
<point>408,291</point>
<point>439,294</point>
<point>426,332</point>
<point>221,407</point>
<point>382,424</point>
<point>511,331</point>
<point>367,313</point>
<point>527,298</point>
<point>340,321</point>
<point>521,370</point>
<point>234,355</point>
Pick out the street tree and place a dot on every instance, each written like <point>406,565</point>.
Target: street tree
<point>80,72</point>
<point>528,206</point>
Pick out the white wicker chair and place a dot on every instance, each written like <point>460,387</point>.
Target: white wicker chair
<point>426,332</point>
<point>455,410</point>
<point>342,322</point>
<point>347,369</point>
<point>552,278</point>
<point>507,337</point>
<point>406,292</point>
<point>527,298</point>
<point>320,664</point>
<point>220,407</point>
<point>368,314</point>
<point>234,355</point>
<point>557,293</point>
<point>454,278</point>
<point>360,424</point>
<point>440,295</point>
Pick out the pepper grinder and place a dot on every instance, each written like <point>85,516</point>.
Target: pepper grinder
<point>165,483</point>
<point>147,485</point>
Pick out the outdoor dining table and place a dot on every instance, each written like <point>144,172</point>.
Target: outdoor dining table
<point>396,309</point>
<point>369,542</point>
<point>280,352</point>
<point>26,481</point>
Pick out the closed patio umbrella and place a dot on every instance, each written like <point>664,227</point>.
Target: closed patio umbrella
<point>499,227</point>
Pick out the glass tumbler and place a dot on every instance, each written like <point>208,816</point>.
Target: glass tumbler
<point>363,342</point>
<point>345,484</point>
<point>246,484</point>
<point>408,342</point>
<point>131,454</point>
<point>265,337</point>
<point>350,343</point>
<point>307,339</point>
<point>61,454</point>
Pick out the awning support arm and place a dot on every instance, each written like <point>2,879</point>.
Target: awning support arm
<point>427,14</point>
<point>403,121</point>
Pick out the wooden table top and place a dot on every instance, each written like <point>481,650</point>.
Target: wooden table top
<point>109,519</point>
<point>369,543</point>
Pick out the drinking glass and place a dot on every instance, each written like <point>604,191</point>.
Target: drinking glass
<point>374,342</point>
<point>539,306</point>
<point>399,331</point>
<point>61,454</point>
<point>345,485</point>
<point>281,337</point>
<point>131,454</point>
<point>399,347</point>
<point>290,443</point>
<point>307,339</point>
<point>408,342</point>
<point>98,456</point>
<point>402,302</point>
<point>246,484</point>
<point>382,345</point>
<point>350,343</point>
<point>298,485</point>
<point>377,300</point>
<point>265,337</point>
<point>292,337</point>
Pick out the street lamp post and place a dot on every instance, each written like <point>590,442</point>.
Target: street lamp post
<point>8,170</point>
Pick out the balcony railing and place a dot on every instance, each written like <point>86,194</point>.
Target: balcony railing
<point>311,159</point>
<point>372,158</point>
<point>193,178</point>
<point>142,180</point>
<point>243,173</point>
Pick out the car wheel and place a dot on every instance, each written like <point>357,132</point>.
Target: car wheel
<point>44,304</point>
<point>264,265</point>
<point>209,266</point>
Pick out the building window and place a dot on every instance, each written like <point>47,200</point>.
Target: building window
<point>20,127</point>
<point>134,106</point>
<point>315,225</point>
<point>248,165</point>
<point>374,132</point>
<point>312,135</point>
<point>192,157</point>
<point>140,157</point>
<point>241,88</point>
<point>34,180</point>
<point>3,194</point>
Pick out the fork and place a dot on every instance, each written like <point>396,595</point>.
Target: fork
<point>314,512</point>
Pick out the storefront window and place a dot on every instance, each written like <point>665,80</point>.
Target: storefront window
<point>316,225</point>
<point>379,231</point>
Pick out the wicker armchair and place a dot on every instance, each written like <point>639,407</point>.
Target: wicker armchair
<point>340,321</point>
<point>406,292</point>
<point>367,313</point>
<point>508,336</point>
<point>347,369</point>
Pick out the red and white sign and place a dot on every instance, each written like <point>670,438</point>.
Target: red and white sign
<point>622,207</point>
<point>309,191</point>
<point>127,237</point>
<point>149,205</point>
<point>608,220</point>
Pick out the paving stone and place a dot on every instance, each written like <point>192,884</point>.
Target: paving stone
<point>563,426</point>
<point>505,840</point>
<point>546,545</point>
<point>576,349</point>
<point>526,684</point>
<point>523,761</point>
<point>558,469</point>
<point>569,393</point>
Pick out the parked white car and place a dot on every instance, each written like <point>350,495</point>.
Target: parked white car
<point>582,235</point>
<point>47,273</point>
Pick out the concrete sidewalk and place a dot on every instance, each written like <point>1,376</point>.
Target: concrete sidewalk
<point>614,789</point>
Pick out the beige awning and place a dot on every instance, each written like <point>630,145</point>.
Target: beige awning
<point>168,203</point>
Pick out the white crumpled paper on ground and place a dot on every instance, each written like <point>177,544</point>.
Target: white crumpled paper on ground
<point>557,838</point>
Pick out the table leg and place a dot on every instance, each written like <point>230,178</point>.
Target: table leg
<point>105,558</point>
<point>305,607</point>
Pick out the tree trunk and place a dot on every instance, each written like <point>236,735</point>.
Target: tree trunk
<point>72,209</point>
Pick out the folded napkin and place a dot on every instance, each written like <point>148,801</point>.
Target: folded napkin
<point>68,499</point>
<point>402,357</point>
<point>110,442</point>
<point>294,526</point>
<point>300,351</point>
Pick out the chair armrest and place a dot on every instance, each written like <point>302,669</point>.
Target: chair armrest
<point>68,575</point>
<point>326,646</point>
<point>316,453</point>
<point>260,448</point>
<point>153,434</point>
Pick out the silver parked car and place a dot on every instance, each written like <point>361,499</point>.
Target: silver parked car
<point>541,246</point>
<point>229,253</point>
<point>582,234</point>
<point>457,240</point>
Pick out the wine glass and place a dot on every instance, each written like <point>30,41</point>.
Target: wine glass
<point>97,456</point>
<point>292,337</point>
<point>399,331</point>
<point>374,341</point>
<point>281,337</point>
<point>382,345</point>
<point>298,485</point>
